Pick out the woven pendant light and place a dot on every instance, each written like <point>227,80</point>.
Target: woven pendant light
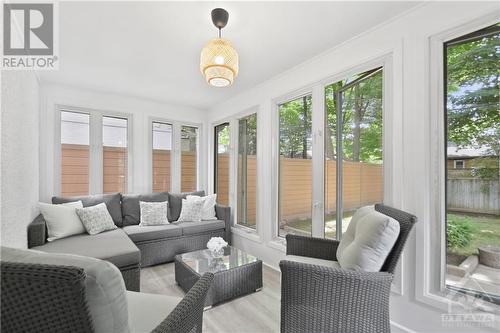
<point>219,60</point>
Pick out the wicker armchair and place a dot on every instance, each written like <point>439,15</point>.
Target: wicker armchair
<point>324,299</point>
<point>50,298</point>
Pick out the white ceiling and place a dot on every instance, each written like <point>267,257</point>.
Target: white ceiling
<point>151,49</point>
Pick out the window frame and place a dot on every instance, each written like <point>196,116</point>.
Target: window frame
<point>276,158</point>
<point>152,120</point>
<point>430,284</point>
<point>455,162</point>
<point>240,116</point>
<point>199,134</point>
<point>96,176</point>
<point>215,156</point>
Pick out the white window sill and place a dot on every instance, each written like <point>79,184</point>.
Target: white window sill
<point>278,244</point>
<point>247,233</point>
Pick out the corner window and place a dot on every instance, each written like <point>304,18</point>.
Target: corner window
<point>247,171</point>
<point>221,163</point>
<point>472,131</point>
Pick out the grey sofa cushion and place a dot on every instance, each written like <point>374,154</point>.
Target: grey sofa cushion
<point>146,233</point>
<point>131,210</point>
<point>113,246</point>
<point>191,228</point>
<point>104,287</point>
<point>175,203</point>
<point>112,201</point>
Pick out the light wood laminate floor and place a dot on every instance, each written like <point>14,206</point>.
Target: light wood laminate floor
<point>256,312</point>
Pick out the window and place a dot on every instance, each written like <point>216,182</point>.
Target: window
<point>355,107</point>
<point>221,163</point>
<point>472,129</point>
<point>162,156</point>
<point>114,154</point>
<point>75,153</point>
<point>295,167</point>
<point>247,171</point>
<point>459,164</point>
<point>189,157</point>
<point>103,169</point>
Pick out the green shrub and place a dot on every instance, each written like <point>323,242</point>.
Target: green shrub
<point>459,233</point>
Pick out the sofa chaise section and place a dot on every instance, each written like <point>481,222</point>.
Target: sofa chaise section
<point>113,246</point>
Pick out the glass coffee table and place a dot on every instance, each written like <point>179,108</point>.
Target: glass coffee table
<point>236,273</point>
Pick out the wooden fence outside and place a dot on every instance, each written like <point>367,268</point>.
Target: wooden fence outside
<point>363,183</point>
<point>473,195</point>
<point>75,169</point>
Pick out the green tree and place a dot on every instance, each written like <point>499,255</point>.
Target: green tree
<point>361,119</point>
<point>295,127</point>
<point>473,99</point>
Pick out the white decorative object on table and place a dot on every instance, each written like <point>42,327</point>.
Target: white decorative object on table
<point>216,246</point>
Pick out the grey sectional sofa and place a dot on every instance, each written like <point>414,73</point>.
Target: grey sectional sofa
<point>131,247</point>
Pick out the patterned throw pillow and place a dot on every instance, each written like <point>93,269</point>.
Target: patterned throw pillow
<point>153,213</point>
<point>191,210</point>
<point>96,219</point>
<point>209,201</point>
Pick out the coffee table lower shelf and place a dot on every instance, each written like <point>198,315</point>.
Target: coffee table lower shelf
<point>227,284</point>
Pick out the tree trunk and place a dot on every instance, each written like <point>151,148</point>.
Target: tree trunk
<point>304,138</point>
<point>356,131</point>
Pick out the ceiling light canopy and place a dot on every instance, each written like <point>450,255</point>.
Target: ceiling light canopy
<point>219,60</point>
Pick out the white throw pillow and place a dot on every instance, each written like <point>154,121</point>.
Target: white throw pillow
<point>96,219</point>
<point>191,210</point>
<point>153,213</point>
<point>367,241</point>
<point>209,201</point>
<point>62,220</point>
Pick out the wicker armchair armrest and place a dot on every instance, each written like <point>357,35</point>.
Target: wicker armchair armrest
<point>224,213</point>
<point>312,247</point>
<point>324,299</point>
<point>187,316</point>
<point>37,232</point>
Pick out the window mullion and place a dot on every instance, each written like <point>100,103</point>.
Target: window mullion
<point>318,187</point>
<point>96,150</point>
<point>176,159</point>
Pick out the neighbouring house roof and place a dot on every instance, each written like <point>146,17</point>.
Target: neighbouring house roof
<point>469,152</point>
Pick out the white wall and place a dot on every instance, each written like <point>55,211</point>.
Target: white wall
<point>406,41</point>
<point>19,155</point>
<point>140,109</point>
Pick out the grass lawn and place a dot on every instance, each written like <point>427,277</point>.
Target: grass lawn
<point>485,230</point>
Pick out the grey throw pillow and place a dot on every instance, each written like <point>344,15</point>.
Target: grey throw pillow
<point>96,219</point>
<point>153,213</point>
<point>192,210</point>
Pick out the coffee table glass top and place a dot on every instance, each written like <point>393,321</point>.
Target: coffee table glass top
<point>203,261</point>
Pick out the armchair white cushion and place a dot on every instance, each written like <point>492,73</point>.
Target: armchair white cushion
<point>104,286</point>
<point>367,241</point>
<point>313,261</point>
